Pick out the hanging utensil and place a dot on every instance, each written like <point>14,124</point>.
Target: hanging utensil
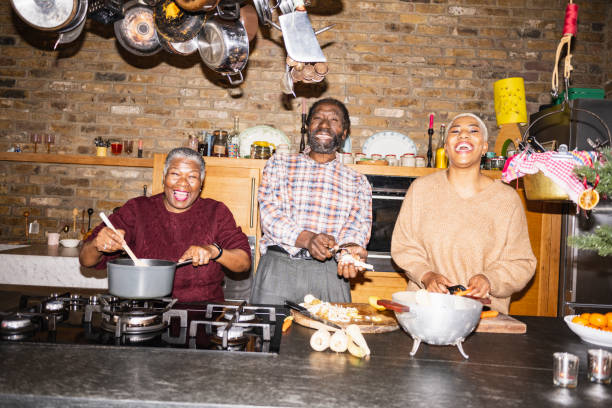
<point>136,31</point>
<point>197,5</point>
<point>46,15</point>
<point>125,246</point>
<point>73,30</point>
<point>90,211</point>
<point>83,231</point>
<point>263,11</point>
<point>181,48</point>
<point>174,24</point>
<point>224,47</point>
<point>248,17</point>
<point>300,38</point>
<point>75,214</point>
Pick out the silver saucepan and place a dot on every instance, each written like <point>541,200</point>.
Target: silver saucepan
<point>152,280</point>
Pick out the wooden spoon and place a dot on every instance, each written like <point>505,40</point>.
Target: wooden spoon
<point>137,261</point>
<point>75,214</point>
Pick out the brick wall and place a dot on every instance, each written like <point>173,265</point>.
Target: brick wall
<point>392,62</point>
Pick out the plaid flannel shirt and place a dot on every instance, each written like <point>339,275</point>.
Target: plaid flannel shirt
<point>297,194</point>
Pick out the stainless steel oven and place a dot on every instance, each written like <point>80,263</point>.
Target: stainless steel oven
<point>387,196</point>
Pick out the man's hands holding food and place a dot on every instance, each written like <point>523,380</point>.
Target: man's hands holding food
<point>324,246</point>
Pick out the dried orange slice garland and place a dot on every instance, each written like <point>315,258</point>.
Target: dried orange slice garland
<point>588,199</point>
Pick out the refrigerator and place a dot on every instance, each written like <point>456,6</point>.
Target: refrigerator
<point>585,283</point>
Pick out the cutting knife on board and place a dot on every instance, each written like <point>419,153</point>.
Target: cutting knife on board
<point>302,310</point>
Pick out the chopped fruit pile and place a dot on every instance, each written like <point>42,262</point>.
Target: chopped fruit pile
<point>373,301</point>
<point>331,312</point>
<point>597,321</point>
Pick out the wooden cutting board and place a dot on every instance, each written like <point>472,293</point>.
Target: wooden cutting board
<point>386,324</point>
<point>501,324</point>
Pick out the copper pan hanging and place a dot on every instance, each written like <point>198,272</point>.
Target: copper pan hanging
<point>136,31</point>
<point>248,17</point>
<point>46,15</point>
<point>197,5</point>
<point>175,24</point>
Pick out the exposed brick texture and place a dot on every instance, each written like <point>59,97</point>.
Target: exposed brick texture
<point>392,62</point>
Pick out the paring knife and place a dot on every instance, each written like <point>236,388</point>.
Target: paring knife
<point>302,310</point>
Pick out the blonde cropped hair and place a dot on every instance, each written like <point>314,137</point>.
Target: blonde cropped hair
<point>481,124</point>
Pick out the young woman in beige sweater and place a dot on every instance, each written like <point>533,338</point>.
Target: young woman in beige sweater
<point>461,227</point>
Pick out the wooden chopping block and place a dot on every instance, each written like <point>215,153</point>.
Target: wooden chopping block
<point>501,324</point>
<point>386,323</point>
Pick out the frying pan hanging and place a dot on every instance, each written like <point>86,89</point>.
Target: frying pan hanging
<point>136,31</point>
<point>174,24</point>
<point>197,5</point>
<point>46,15</point>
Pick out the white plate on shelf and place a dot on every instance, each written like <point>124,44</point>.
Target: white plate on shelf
<point>588,334</point>
<point>388,142</point>
<point>261,133</point>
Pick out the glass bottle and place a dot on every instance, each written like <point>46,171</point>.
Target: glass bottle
<point>219,144</point>
<point>441,159</point>
<point>203,143</point>
<point>233,140</point>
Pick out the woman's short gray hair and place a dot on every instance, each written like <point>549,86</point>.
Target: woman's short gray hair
<point>481,124</point>
<point>185,153</point>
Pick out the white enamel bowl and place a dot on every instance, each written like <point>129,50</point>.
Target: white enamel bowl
<point>70,243</point>
<point>440,320</point>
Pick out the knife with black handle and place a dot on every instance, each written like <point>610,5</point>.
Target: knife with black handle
<point>302,310</point>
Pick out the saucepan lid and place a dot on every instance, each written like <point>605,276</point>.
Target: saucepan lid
<point>46,15</point>
<point>136,31</point>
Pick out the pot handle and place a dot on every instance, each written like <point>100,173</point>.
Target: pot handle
<point>185,262</point>
<point>229,78</point>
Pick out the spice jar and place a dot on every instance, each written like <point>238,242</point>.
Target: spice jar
<point>391,159</point>
<point>219,144</point>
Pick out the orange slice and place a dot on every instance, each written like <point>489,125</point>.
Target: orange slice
<point>588,199</point>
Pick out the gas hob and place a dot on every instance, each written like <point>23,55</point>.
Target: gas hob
<point>230,326</point>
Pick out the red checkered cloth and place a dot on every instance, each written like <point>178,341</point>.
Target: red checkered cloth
<point>559,167</point>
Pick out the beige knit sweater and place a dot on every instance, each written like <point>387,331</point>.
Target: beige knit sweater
<point>439,231</point>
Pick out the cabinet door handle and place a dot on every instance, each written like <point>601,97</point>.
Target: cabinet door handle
<point>252,215</point>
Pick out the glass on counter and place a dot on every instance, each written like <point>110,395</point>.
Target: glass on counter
<point>36,138</point>
<point>49,140</point>
<point>128,147</point>
<point>600,366</point>
<point>565,370</point>
<point>116,147</point>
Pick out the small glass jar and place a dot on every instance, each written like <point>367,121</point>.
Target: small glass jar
<point>376,156</point>
<point>346,158</point>
<point>219,144</point>
<point>391,159</point>
<point>420,161</point>
<point>408,160</point>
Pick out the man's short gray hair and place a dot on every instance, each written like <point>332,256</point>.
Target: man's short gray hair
<point>185,153</point>
<point>481,124</point>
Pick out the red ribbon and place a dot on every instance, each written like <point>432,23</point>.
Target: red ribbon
<point>570,26</point>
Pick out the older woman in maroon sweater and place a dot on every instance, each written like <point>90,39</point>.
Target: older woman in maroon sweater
<point>177,225</point>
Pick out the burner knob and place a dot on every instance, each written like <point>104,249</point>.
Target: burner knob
<point>93,300</point>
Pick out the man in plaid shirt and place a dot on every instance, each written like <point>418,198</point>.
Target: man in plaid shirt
<point>313,209</point>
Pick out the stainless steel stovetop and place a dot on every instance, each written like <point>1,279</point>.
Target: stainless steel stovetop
<point>230,326</point>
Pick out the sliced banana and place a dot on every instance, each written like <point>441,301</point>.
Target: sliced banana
<point>319,341</point>
<point>339,341</point>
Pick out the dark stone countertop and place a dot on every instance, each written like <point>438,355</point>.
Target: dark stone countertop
<point>504,370</point>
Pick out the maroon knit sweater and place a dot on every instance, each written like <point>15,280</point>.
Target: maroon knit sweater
<point>153,232</point>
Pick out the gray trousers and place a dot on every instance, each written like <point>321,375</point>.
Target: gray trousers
<point>281,278</point>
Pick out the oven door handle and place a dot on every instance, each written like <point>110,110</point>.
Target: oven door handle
<point>380,197</point>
